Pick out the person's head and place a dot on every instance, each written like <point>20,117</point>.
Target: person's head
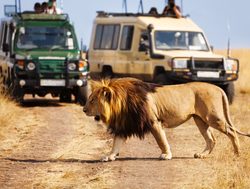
<point>44,6</point>
<point>153,11</point>
<point>171,3</point>
<point>37,8</point>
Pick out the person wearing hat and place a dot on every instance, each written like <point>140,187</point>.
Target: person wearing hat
<point>172,9</point>
<point>153,11</point>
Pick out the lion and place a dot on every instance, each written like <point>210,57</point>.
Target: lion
<point>131,107</point>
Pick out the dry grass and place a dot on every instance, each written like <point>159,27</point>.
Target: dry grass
<point>231,171</point>
<point>242,85</point>
<point>234,172</point>
<point>8,111</point>
<point>11,129</point>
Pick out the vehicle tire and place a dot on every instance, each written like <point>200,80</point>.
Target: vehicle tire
<point>162,79</point>
<point>229,90</point>
<point>83,94</point>
<point>65,96</point>
<point>107,73</point>
<point>16,92</point>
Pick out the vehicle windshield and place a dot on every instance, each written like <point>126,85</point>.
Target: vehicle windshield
<point>180,40</point>
<point>44,38</point>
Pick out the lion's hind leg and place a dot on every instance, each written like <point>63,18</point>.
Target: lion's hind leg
<point>208,136</point>
<point>232,135</point>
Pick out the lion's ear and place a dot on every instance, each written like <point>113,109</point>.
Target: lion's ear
<point>107,93</point>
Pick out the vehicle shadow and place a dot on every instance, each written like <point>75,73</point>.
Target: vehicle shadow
<point>27,103</point>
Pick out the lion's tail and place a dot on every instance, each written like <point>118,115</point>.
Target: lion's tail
<point>228,119</point>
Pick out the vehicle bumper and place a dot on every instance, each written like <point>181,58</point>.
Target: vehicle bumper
<point>189,76</point>
<point>70,83</point>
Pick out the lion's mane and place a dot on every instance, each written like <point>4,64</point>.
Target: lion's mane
<point>126,109</point>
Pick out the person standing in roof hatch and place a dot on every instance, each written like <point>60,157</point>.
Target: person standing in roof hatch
<point>172,9</point>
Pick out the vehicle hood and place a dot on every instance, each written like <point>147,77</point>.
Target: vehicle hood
<point>189,54</point>
<point>47,55</point>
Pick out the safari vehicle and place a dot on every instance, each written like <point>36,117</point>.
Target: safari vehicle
<point>158,49</point>
<point>39,54</point>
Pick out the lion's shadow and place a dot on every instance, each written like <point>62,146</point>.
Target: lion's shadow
<point>72,160</point>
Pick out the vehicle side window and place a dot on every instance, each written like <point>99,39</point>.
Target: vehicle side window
<point>3,34</point>
<point>107,36</point>
<point>144,41</point>
<point>127,37</point>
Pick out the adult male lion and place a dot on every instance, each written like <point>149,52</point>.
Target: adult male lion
<point>130,106</point>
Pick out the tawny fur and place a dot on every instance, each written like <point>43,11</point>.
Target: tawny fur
<point>132,107</point>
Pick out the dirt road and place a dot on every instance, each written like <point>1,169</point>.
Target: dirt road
<point>57,146</point>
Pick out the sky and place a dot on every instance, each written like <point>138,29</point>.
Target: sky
<point>219,19</point>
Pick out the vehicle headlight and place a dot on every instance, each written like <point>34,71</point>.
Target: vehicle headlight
<point>71,66</point>
<point>82,65</point>
<point>180,63</point>
<point>31,66</point>
<point>231,64</point>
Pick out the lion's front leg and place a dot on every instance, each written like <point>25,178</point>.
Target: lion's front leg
<point>161,139</point>
<point>117,143</point>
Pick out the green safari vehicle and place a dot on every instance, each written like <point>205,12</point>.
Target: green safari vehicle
<point>39,54</point>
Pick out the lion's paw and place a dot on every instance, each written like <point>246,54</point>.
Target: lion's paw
<point>108,158</point>
<point>166,156</point>
<point>199,156</point>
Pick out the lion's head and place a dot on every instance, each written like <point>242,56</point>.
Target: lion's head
<point>122,105</point>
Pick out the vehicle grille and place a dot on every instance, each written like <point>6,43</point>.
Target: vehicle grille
<point>205,64</point>
<point>52,69</point>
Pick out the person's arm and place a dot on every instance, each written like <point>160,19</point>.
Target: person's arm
<point>165,10</point>
<point>177,11</point>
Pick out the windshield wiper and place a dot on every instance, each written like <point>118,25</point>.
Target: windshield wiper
<point>57,47</point>
<point>179,48</point>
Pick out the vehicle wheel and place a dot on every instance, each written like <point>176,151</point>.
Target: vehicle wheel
<point>229,90</point>
<point>107,73</point>
<point>83,94</point>
<point>161,79</point>
<point>16,92</point>
<point>65,96</point>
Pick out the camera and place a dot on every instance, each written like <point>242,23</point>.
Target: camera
<point>171,5</point>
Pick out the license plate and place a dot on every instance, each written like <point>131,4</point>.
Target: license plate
<point>52,82</point>
<point>208,74</point>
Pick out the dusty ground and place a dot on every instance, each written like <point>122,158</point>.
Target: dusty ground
<point>54,145</point>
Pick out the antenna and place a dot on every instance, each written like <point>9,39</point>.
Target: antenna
<point>182,6</point>
<point>61,5</point>
<point>124,4</point>
<point>229,40</point>
<point>141,7</point>
<point>18,5</point>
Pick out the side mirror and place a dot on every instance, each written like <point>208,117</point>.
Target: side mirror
<point>6,47</point>
<point>143,47</point>
<point>212,48</point>
<point>83,48</point>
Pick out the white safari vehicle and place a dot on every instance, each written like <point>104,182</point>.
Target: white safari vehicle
<point>158,49</point>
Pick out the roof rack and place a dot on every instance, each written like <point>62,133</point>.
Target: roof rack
<point>31,15</point>
<point>108,14</point>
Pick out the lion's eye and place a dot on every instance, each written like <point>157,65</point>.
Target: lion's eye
<point>92,101</point>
